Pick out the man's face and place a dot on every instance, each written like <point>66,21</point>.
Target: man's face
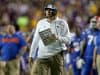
<point>98,24</point>
<point>48,12</point>
<point>92,23</point>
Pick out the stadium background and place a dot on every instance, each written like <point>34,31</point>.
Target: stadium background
<point>24,14</point>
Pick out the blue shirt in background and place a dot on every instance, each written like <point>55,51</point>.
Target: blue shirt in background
<point>89,36</point>
<point>75,45</point>
<point>11,46</point>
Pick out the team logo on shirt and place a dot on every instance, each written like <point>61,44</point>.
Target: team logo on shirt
<point>13,40</point>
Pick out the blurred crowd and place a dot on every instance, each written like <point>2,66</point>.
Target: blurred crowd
<point>24,14</point>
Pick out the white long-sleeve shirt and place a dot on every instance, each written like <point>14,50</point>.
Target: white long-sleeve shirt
<point>61,30</point>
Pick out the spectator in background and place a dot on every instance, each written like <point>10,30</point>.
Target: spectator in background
<point>88,35</point>
<point>76,50</point>
<point>96,59</point>
<point>12,48</point>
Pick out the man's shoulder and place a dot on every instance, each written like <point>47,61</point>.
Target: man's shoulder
<point>62,19</point>
<point>42,20</point>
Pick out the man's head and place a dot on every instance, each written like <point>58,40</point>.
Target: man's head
<point>10,29</point>
<point>50,10</point>
<point>93,22</point>
<point>98,22</point>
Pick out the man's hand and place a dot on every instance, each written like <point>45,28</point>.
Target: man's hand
<point>54,37</point>
<point>31,61</point>
<point>80,63</point>
<point>94,65</point>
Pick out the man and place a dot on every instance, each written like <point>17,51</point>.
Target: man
<point>75,49</point>
<point>12,48</point>
<point>96,59</point>
<point>89,35</point>
<point>50,36</point>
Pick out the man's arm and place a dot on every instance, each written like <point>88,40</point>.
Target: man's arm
<point>35,42</point>
<point>66,38</point>
<point>34,46</point>
<point>94,54</point>
<point>21,53</point>
<point>82,47</point>
<point>94,58</point>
